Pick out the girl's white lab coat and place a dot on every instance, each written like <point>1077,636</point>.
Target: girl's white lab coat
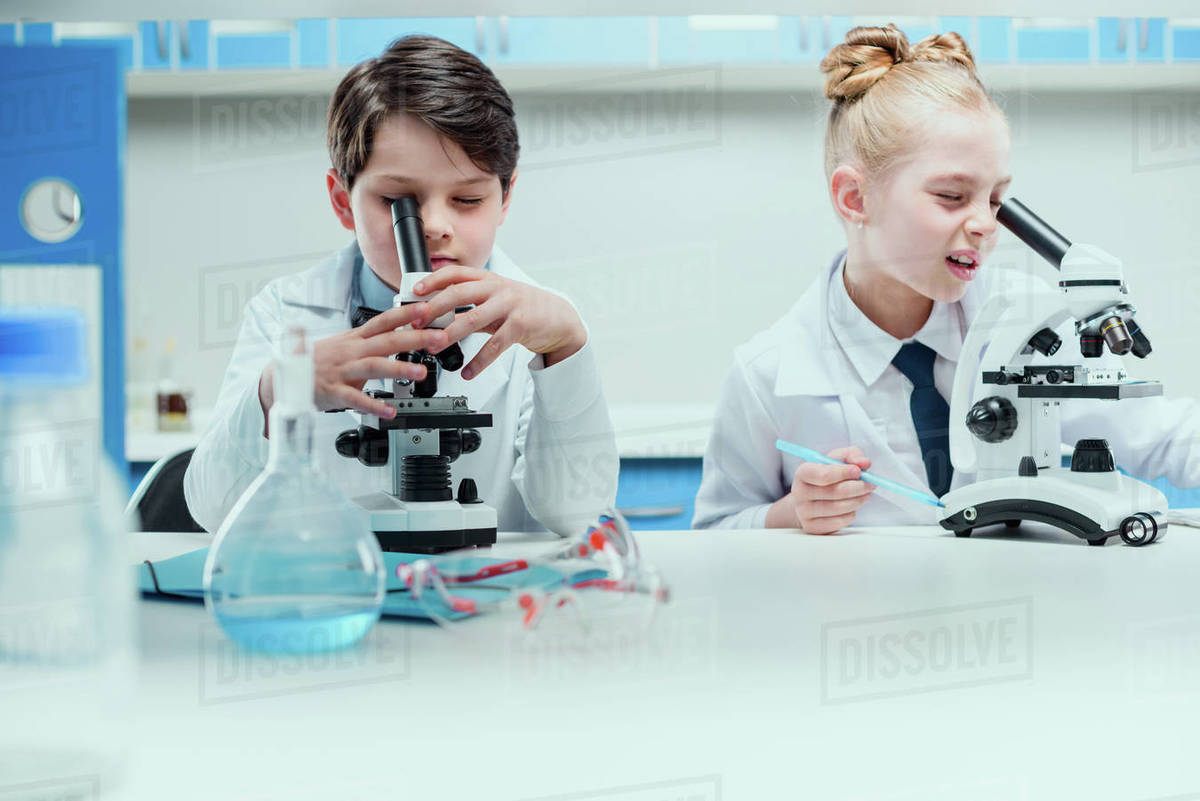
<point>794,381</point>
<point>549,460</point>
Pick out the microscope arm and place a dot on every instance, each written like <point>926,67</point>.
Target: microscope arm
<point>962,445</point>
<point>1004,328</point>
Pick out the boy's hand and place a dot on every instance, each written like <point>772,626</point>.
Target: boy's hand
<point>512,312</point>
<point>343,363</point>
<point>824,498</point>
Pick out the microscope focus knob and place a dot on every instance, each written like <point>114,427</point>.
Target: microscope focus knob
<point>1092,456</point>
<point>468,492</point>
<point>368,446</point>
<point>347,444</point>
<point>471,440</point>
<point>992,419</point>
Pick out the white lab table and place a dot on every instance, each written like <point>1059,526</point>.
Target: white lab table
<point>876,664</point>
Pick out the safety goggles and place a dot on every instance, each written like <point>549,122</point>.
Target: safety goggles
<point>597,576</point>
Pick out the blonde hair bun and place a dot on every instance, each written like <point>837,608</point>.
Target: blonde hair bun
<point>945,47</point>
<point>869,53</point>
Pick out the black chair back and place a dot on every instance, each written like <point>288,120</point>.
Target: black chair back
<point>163,506</point>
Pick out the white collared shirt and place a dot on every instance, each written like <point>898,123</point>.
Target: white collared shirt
<point>880,384</point>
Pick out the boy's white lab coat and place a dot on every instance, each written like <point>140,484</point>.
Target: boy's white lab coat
<point>793,381</point>
<point>549,459</point>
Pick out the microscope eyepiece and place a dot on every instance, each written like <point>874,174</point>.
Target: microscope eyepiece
<point>410,235</point>
<point>1033,231</point>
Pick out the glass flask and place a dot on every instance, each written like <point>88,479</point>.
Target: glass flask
<point>294,567</point>
<point>67,590</point>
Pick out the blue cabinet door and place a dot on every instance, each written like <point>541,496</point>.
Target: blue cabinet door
<point>360,39</point>
<point>193,45</point>
<point>1123,39</point>
<point>1185,41</point>
<point>259,50</point>
<point>157,39</point>
<point>800,39</point>
<point>570,40</point>
<point>62,115</point>
<point>995,40</point>
<point>1151,39</point>
<point>1113,44</point>
<point>314,42</point>
<point>722,40</point>
<point>1054,44</point>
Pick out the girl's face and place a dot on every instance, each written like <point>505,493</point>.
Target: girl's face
<point>931,221</point>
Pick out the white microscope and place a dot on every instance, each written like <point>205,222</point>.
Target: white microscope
<point>422,513</point>
<point>1004,411</point>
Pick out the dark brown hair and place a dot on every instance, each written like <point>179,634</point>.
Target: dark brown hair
<point>444,86</point>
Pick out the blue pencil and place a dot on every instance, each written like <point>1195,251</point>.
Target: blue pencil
<point>809,455</point>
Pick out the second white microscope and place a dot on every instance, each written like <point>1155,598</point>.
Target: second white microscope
<point>1004,411</point>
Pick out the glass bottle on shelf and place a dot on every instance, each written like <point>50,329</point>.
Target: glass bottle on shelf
<point>171,396</point>
<point>295,567</point>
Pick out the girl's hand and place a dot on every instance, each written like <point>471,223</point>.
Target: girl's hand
<point>512,312</point>
<point>824,498</point>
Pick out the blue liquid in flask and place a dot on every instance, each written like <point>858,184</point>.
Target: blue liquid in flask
<point>294,567</point>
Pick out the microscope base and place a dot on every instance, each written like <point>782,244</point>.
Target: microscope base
<point>428,526</point>
<point>1091,506</point>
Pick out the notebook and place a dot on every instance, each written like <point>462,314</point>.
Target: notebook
<point>182,577</point>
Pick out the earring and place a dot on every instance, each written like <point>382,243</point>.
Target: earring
<point>860,223</point>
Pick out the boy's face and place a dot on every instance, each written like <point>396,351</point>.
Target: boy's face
<point>461,204</point>
<point>941,202</point>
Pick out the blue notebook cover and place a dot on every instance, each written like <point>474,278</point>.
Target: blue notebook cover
<point>182,577</point>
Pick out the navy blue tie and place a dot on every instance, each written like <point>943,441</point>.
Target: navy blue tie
<point>930,414</point>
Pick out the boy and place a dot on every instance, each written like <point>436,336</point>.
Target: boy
<point>428,120</point>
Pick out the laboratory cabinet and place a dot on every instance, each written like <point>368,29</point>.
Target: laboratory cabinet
<point>174,46</point>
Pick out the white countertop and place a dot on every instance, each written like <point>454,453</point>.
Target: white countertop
<point>876,664</point>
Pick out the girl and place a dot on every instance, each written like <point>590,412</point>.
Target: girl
<point>916,160</point>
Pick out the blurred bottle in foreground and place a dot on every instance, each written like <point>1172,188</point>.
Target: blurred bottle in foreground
<point>67,656</point>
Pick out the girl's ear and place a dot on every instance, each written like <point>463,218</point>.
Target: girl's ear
<point>339,198</point>
<point>846,187</point>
